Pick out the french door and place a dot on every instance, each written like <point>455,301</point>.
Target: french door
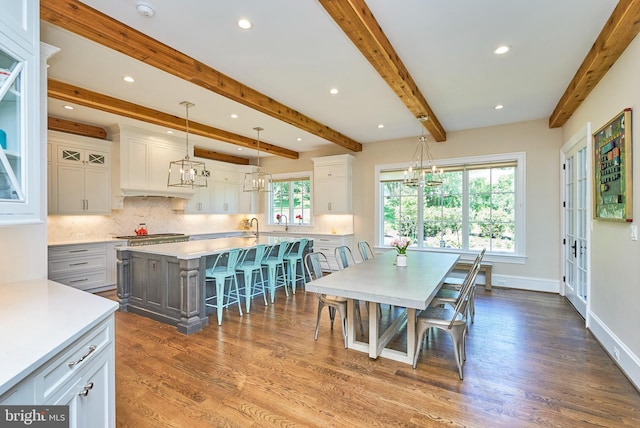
<point>576,221</point>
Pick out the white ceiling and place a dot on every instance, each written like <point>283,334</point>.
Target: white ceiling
<point>295,53</point>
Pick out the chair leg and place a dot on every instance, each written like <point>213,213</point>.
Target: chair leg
<point>219,300</point>
<point>248,289</point>
<point>264,291</point>
<point>457,336</point>
<point>272,282</point>
<point>320,306</point>
<point>357,314</point>
<point>343,319</point>
<point>419,337</point>
<point>235,282</point>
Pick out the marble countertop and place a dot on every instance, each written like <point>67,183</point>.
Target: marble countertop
<point>80,241</point>
<point>38,319</point>
<point>196,249</point>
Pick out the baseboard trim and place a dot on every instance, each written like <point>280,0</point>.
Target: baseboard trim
<point>526,283</point>
<point>628,362</point>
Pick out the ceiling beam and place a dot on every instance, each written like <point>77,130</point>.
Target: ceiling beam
<point>621,28</point>
<point>200,152</point>
<point>87,22</point>
<point>69,93</point>
<point>68,126</point>
<point>359,24</point>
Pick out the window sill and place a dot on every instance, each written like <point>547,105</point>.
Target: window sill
<point>468,255</point>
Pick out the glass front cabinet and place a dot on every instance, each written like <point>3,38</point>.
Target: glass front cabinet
<point>20,151</point>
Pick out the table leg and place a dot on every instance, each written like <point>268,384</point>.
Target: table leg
<point>351,324</point>
<point>374,334</point>
<point>411,333</point>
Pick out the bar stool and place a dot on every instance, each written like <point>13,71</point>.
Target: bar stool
<point>274,262</point>
<point>223,269</point>
<point>291,259</point>
<point>250,268</point>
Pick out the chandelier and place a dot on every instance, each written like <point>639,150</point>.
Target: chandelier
<point>257,181</point>
<point>186,172</point>
<point>422,170</point>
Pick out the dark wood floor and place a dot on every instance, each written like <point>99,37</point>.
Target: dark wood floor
<point>530,362</point>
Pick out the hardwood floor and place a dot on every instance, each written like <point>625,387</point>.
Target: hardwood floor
<point>530,362</point>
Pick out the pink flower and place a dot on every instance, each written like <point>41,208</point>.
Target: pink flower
<point>401,244</point>
<point>299,216</point>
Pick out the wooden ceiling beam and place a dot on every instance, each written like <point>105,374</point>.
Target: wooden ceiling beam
<point>223,157</point>
<point>621,28</point>
<point>359,24</point>
<point>87,22</point>
<point>68,126</point>
<point>69,93</point>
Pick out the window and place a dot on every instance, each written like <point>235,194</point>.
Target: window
<point>479,205</point>
<point>291,198</point>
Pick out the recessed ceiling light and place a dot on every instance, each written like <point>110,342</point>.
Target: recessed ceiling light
<point>501,50</point>
<point>68,107</point>
<point>333,91</point>
<point>499,107</point>
<point>128,79</point>
<point>234,116</point>
<point>239,149</point>
<point>169,132</point>
<point>245,24</point>
<point>380,126</point>
<point>145,9</point>
<point>298,139</point>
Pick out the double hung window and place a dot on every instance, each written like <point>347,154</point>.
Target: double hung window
<point>290,200</point>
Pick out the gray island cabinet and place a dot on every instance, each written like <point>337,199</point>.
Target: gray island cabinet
<point>167,283</point>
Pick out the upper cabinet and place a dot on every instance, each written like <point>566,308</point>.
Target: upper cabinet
<point>332,184</point>
<point>20,114</point>
<point>79,174</point>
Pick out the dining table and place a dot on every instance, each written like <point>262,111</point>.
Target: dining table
<point>408,289</point>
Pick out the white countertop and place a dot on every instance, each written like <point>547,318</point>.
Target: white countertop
<point>196,249</point>
<point>80,241</point>
<point>38,319</point>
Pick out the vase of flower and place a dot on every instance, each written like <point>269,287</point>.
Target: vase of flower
<point>401,244</point>
<point>401,260</point>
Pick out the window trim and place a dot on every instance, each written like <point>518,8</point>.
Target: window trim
<point>519,254</point>
<point>290,176</point>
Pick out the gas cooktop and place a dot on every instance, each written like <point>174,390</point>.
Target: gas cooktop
<point>154,238</point>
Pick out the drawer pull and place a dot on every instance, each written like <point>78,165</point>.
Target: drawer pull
<point>91,349</point>
<point>79,280</point>
<point>78,264</point>
<point>79,251</point>
<point>86,389</point>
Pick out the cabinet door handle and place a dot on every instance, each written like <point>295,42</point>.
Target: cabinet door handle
<point>84,357</point>
<point>86,389</point>
<point>79,251</point>
<point>78,264</point>
<point>79,280</point>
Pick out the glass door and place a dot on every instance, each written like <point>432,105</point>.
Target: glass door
<point>576,219</point>
<point>11,151</point>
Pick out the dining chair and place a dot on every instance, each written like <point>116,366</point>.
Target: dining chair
<point>344,257</point>
<point>292,259</point>
<point>223,270</point>
<point>450,291</point>
<point>250,266</point>
<point>453,321</point>
<point>313,264</point>
<point>273,260</point>
<point>365,250</point>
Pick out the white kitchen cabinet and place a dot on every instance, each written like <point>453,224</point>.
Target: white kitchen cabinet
<point>225,191</point>
<point>80,175</point>
<point>332,184</point>
<point>20,114</point>
<point>82,266</point>
<point>327,244</point>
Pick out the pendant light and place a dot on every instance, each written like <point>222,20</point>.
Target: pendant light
<point>257,181</point>
<point>186,172</point>
<point>422,170</point>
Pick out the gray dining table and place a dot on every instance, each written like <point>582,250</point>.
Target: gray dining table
<point>379,280</point>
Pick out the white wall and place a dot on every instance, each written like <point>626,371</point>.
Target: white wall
<point>542,267</point>
<point>615,288</point>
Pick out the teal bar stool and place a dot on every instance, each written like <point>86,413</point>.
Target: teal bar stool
<point>250,265</point>
<point>292,259</point>
<point>223,270</point>
<point>274,262</point>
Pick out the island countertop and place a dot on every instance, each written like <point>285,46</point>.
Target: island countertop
<point>196,249</point>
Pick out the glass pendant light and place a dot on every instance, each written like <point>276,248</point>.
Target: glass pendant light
<point>257,181</point>
<point>186,172</point>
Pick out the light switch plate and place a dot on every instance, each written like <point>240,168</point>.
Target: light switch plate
<point>634,232</point>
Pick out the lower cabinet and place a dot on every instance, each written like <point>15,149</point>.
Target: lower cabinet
<point>81,376</point>
<point>88,267</point>
<point>327,244</point>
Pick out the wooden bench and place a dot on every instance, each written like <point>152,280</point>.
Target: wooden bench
<point>485,267</point>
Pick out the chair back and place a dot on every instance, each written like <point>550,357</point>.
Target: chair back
<point>344,257</point>
<point>465,292</point>
<point>227,261</point>
<point>365,250</point>
<point>276,252</point>
<point>258,254</point>
<point>301,243</point>
<point>313,264</point>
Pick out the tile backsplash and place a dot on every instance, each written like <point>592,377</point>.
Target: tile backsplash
<point>160,217</point>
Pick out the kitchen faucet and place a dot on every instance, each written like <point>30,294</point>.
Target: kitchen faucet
<point>257,226</point>
<point>286,222</point>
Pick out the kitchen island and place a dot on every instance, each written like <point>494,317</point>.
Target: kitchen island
<point>167,282</point>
